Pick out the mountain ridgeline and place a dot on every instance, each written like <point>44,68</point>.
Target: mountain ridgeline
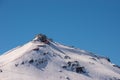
<point>44,59</point>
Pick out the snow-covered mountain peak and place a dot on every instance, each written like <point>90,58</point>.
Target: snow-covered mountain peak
<point>41,38</point>
<point>42,59</point>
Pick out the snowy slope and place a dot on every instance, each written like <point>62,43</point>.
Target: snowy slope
<point>40,60</point>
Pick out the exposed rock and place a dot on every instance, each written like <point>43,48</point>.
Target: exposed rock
<point>80,69</point>
<point>31,61</point>
<point>16,65</point>
<point>42,38</point>
<point>67,78</point>
<point>74,66</point>
<point>1,70</point>
<point>66,57</point>
<point>36,49</point>
<point>116,66</point>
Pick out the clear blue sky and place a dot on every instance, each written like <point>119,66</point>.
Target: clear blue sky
<point>92,25</point>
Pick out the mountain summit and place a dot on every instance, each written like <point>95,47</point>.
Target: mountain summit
<point>43,59</point>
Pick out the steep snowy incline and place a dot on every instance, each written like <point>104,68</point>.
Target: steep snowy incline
<point>97,65</point>
<point>42,59</point>
<point>16,53</point>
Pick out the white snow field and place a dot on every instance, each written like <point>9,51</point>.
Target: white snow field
<point>48,60</point>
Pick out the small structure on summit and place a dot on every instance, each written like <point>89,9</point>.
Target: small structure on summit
<point>42,38</point>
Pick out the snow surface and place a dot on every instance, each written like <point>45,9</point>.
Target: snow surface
<point>39,61</point>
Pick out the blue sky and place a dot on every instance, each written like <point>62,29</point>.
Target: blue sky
<point>92,25</point>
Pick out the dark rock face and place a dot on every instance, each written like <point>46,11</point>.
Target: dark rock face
<point>16,65</point>
<point>1,70</point>
<point>116,66</point>
<point>67,78</point>
<point>66,57</point>
<point>42,38</point>
<point>80,69</point>
<point>74,66</point>
<point>31,61</point>
<point>36,49</point>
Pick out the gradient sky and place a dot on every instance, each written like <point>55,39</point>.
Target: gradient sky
<point>92,25</point>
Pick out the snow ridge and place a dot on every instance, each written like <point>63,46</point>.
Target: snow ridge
<point>42,59</point>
